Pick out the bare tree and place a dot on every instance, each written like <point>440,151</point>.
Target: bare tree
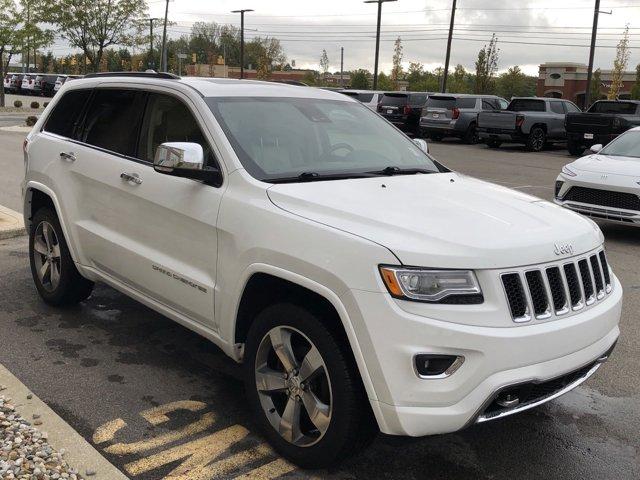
<point>619,65</point>
<point>396,71</point>
<point>324,65</point>
<point>487,66</point>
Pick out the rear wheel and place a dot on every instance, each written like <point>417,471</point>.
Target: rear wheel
<point>536,140</point>
<point>55,275</point>
<point>303,388</point>
<point>575,148</point>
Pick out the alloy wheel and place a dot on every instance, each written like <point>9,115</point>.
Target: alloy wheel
<point>46,255</point>
<point>293,386</point>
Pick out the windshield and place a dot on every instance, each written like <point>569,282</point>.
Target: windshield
<point>283,138</point>
<point>627,108</point>
<point>626,145</point>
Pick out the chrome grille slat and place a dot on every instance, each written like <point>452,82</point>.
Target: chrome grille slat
<point>555,290</point>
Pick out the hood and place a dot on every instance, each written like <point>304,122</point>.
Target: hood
<point>442,220</point>
<point>627,166</point>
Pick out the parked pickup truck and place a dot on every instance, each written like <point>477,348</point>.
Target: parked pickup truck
<point>604,121</point>
<point>532,121</point>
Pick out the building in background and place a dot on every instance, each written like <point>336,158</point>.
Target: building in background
<point>569,80</point>
<point>226,71</point>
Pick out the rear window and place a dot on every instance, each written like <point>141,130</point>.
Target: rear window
<point>625,108</point>
<point>364,97</point>
<point>418,99</point>
<point>526,105</point>
<point>394,99</point>
<point>66,114</point>
<point>451,102</point>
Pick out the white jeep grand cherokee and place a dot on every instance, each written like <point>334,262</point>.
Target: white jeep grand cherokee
<point>363,284</point>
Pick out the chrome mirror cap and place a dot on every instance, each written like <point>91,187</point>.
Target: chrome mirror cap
<point>422,144</point>
<point>179,155</point>
<point>596,148</point>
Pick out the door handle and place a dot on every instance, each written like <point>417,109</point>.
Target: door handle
<point>131,177</point>
<point>70,156</point>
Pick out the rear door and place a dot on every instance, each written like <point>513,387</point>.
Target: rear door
<point>156,234</point>
<point>556,116</point>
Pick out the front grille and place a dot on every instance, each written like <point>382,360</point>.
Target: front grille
<point>604,198</point>
<point>557,290</point>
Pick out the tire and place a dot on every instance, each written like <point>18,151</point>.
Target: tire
<point>347,424</point>
<point>575,149</point>
<point>492,143</point>
<point>471,135</point>
<point>436,137</point>
<point>61,284</point>
<point>536,140</point>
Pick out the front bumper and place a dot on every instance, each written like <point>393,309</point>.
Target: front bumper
<point>495,358</point>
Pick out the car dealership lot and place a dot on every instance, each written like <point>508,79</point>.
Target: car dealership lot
<point>156,398</point>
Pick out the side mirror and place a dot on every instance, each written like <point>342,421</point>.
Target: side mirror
<point>596,148</point>
<point>422,144</point>
<point>185,159</point>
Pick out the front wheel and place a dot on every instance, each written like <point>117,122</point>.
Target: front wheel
<point>536,139</point>
<point>303,388</point>
<point>55,275</point>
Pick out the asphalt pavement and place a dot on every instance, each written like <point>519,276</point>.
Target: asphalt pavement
<point>158,401</point>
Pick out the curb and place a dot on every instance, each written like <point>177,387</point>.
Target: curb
<point>11,223</point>
<point>78,452</point>
<point>16,129</point>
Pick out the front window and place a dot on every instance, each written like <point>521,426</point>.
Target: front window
<point>626,145</point>
<point>280,139</point>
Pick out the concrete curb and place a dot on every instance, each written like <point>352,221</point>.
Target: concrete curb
<point>79,453</point>
<point>11,223</point>
<point>17,129</point>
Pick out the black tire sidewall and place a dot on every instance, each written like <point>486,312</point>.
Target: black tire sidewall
<point>345,394</point>
<point>532,134</point>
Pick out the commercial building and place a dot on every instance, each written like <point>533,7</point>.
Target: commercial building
<point>569,80</point>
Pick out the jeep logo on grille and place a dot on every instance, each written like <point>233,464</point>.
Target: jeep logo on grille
<point>563,249</point>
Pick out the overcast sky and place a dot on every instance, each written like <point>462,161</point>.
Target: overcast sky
<point>306,28</point>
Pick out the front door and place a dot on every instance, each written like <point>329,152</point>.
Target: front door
<point>154,233</point>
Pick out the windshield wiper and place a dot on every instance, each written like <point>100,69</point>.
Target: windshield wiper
<point>393,170</point>
<point>315,176</point>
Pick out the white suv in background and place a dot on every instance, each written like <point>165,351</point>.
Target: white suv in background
<point>364,285</point>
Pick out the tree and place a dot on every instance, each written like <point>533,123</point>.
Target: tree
<point>619,65</point>
<point>94,25</point>
<point>635,90</point>
<point>396,71</point>
<point>487,66</point>
<point>324,65</point>
<point>512,83</point>
<point>384,82</point>
<point>9,37</point>
<point>458,82</point>
<point>360,79</point>
<point>596,87</point>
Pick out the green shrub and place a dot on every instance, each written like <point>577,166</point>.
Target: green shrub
<point>45,104</point>
<point>17,104</point>
<point>35,105</point>
<point>31,120</point>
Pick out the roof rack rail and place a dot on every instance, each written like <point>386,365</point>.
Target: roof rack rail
<point>145,74</point>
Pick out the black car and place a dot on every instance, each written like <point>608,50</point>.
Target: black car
<point>403,109</point>
<point>44,85</point>
<point>604,121</point>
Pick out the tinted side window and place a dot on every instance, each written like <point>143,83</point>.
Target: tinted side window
<point>167,119</point>
<point>113,120</point>
<point>556,107</point>
<point>64,119</point>
<point>488,105</point>
<point>418,99</point>
<point>365,97</point>
<point>571,108</point>
<point>466,102</point>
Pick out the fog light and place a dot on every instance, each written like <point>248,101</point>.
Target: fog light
<point>559,185</point>
<point>437,366</point>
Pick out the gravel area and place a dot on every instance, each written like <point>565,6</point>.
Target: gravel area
<point>24,451</point>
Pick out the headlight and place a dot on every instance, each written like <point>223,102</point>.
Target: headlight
<point>428,285</point>
<point>567,171</point>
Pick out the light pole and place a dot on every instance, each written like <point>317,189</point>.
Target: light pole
<point>594,32</point>
<point>163,58</point>
<point>341,66</point>
<point>242,12</point>
<point>448,56</point>
<point>375,68</point>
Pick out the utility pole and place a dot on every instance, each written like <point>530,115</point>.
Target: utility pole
<point>242,12</point>
<point>341,66</point>
<point>163,58</point>
<point>594,33</point>
<point>375,68</point>
<point>151,59</point>
<point>446,61</point>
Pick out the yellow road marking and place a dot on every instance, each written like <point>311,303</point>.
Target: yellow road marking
<point>107,432</point>
<point>198,453</point>
<point>206,421</point>
<point>158,415</point>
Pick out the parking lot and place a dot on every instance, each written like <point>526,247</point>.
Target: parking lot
<point>158,401</point>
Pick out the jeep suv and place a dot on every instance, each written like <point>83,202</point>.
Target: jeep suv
<point>364,286</point>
